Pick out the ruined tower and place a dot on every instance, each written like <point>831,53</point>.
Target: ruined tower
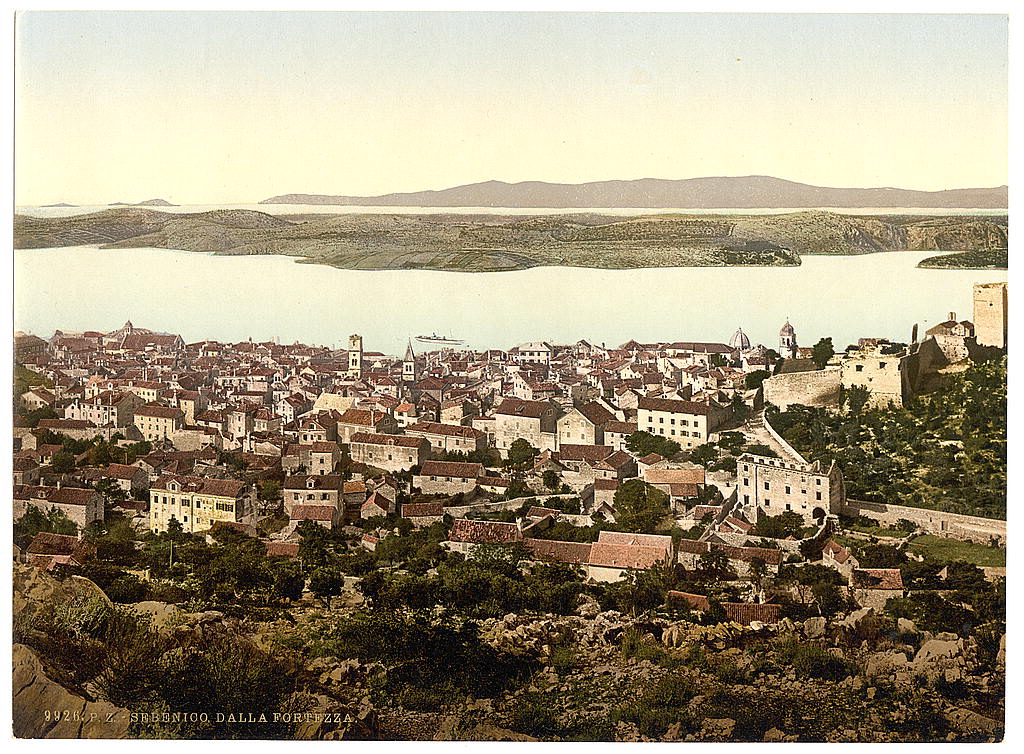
<point>990,315</point>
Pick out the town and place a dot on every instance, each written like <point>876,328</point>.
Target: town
<point>668,477</point>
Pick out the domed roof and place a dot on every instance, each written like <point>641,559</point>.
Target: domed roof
<point>787,329</point>
<point>739,340</point>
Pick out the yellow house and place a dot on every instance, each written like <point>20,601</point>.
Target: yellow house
<point>197,503</point>
<point>157,422</point>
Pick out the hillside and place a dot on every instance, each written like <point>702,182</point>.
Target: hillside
<point>698,193</point>
<point>480,243</point>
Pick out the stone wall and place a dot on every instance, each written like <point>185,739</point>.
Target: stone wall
<point>818,388</point>
<point>939,523</point>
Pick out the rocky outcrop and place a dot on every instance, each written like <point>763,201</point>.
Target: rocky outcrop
<point>42,708</point>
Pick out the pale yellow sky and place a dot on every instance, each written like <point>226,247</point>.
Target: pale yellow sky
<point>234,108</point>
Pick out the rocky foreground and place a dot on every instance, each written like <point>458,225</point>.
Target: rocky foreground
<point>589,676</point>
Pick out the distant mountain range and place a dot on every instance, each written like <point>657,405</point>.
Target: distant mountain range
<point>746,192</point>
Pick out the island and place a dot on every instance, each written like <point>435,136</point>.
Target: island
<point>490,243</point>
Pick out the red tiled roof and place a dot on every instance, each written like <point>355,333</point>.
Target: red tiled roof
<point>584,452</point>
<point>202,485</point>
<point>674,406</point>
<point>287,549</point>
<point>451,469</point>
<point>481,532</point>
<point>528,409</point>
<point>46,543</point>
<point>745,612</point>
<point>415,510</point>
<point>625,556</point>
<point>120,471</point>
<point>450,430</point>
<point>838,553</point>
<point>313,512</point>
<point>877,578</point>
<point>160,412</point>
<point>400,441</point>
<point>674,476</point>
<point>575,553</point>
<point>660,541</point>
<point>692,601</point>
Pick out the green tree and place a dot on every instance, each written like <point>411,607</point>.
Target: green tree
<point>704,454</point>
<point>288,581</point>
<point>63,462</point>
<point>822,352</point>
<point>551,479</point>
<point>855,398</point>
<point>326,583</point>
<point>755,379</point>
<point>521,453</point>
<point>644,443</point>
<point>639,506</point>
<point>269,492</point>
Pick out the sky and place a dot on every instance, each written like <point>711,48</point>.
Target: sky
<point>206,108</point>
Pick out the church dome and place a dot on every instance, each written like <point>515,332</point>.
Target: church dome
<point>787,329</point>
<point>739,340</point>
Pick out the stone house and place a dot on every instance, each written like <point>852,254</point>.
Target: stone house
<point>873,587</point>
<point>356,420</point>
<point>388,452</point>
<point>448,437</point>
<point>772,486</point>
<point>82,506</point>
<point>534,421</point>
<point>687,422</point>
<point>131,479</point>
<point>584,425</point>
<point>447,477</point>
<point>423,514</point>
<point>326,516</point>
<point>158,422</point>
<point>312,489</point>
<point>117,409</point>
<point>197,503</point>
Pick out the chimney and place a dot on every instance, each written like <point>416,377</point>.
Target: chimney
<point>913,334</point>
<point>952,316</point>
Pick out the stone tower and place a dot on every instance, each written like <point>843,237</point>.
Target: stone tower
<point>787,341</point>
<point>355,356</point>
<point>410,370</point>
<point>990,315</point>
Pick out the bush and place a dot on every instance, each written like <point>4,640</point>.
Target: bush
<point>661,706</point>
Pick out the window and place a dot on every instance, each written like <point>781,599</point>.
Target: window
<point>746,482</point>
<point>860,367</point>
<point>787,489</point>
<point>881,365</point>
<point>767,485</point>
<point>817,496</point>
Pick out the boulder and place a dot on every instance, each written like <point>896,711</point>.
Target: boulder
<point>883,663</point>
<point>717,727</point>
<point>162,614</point>
<point>906,626</point>
<point>935,649</point>
<point>814,627</point>
<point>587,606</point>
<point>971,723</point>
<point>35,695</point>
